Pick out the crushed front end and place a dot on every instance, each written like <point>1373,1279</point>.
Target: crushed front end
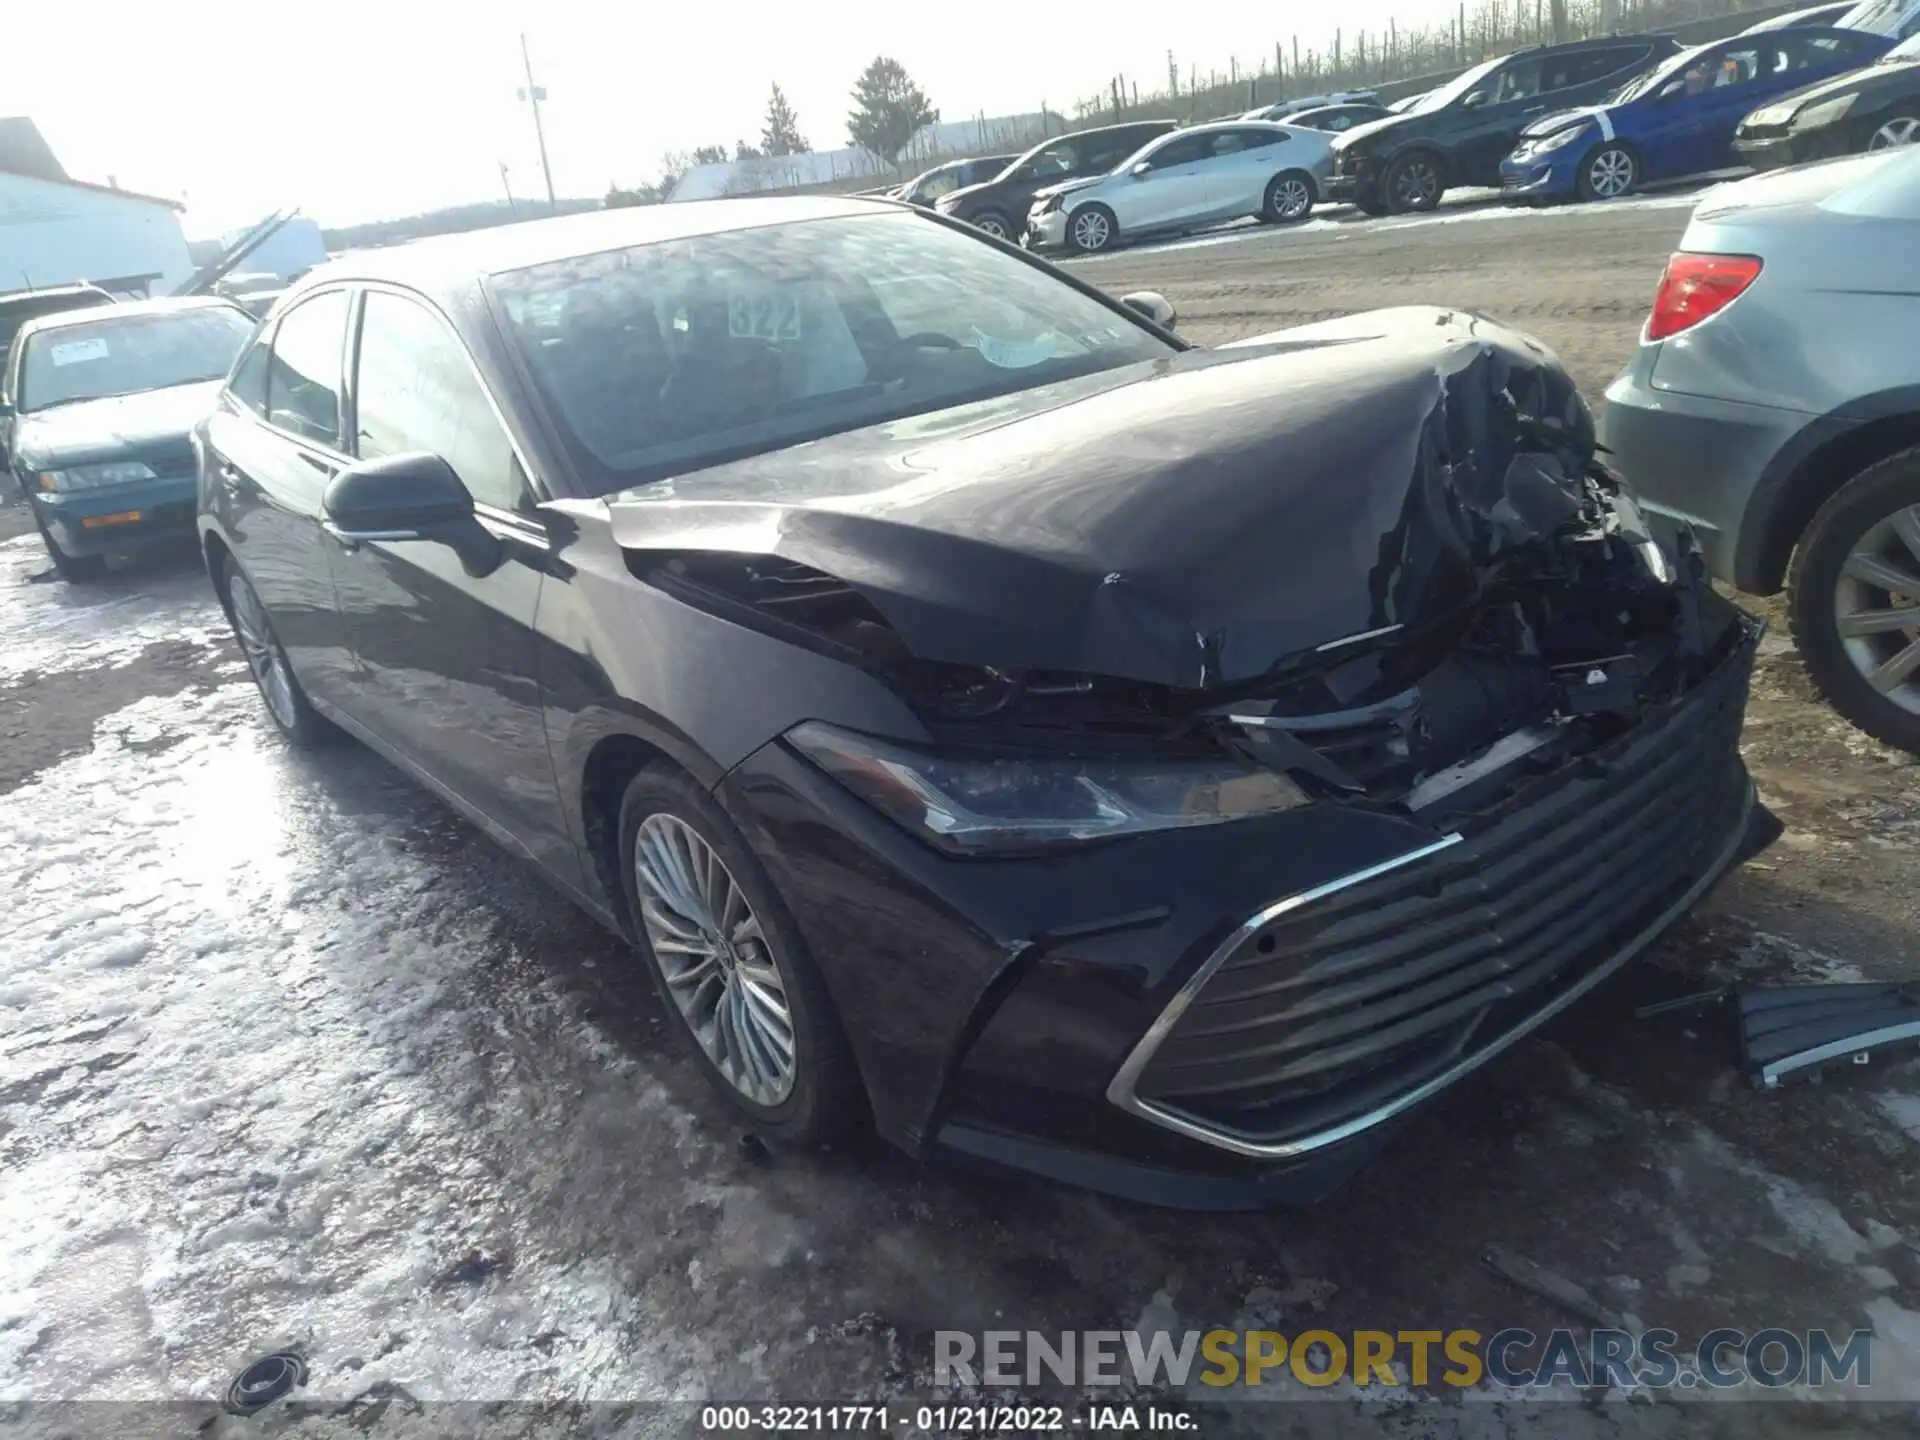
<point>1362,870</point>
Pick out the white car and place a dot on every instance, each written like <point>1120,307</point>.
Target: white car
<point>1284,108</point>
<point>1193,177</point>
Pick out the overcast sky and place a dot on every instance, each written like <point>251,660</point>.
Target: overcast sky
<point>366,109</point>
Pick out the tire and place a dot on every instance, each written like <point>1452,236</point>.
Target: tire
<point>280,691</point>
<point>994,224</point>
<point>1611,172</point>
<point>1414,183</point>
<point>668,813</point>
<point>1370,205</point>
<point>1860,524</point>
<point>1291,196</point>
<point>74,569</point>
<point>1091,229</point>
<point>1886,132</point>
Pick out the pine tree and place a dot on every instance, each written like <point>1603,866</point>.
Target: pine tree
<point>781,133</point>
<point>889,110</point>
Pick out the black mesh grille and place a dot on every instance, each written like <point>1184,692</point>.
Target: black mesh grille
<point>1335,1007</point>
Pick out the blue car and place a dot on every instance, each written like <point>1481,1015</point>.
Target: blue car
<point>1680,118</point>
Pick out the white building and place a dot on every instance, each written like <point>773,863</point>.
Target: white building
<point>55,230</point>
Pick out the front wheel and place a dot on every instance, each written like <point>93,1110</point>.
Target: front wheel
<point>1289,197</point>
<point>1894,131</point>
<point>74,569</point>
<point>1414,183</point>
<point>730,965</point>
<point>1091,229</point>
<point>1609,173</point>
<point>992,222</point>
<point>1853,600</point>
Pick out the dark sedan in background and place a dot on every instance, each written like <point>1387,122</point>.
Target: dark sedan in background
<point>930,185</point>
<point>1459,133</point>
<point>97,407</point>
<point>1000,206</point>
<point>1873,108</point>
<point>1155,768</point>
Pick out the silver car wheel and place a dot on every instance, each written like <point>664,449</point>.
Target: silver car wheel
<point>1611,173</point>
<point>715,958</point>
<point>1291,198</point>
<point>991,225</point>
<point>263,652</point>
<point>1091,230</point>
<point>1877,607</point>
<point>1901,130</point>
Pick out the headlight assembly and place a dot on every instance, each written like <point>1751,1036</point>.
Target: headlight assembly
<point>94,477</point>
<point>1558,140</point>
<point>985,804</point>
<point>1771,115</point>
<point>1825,113</point>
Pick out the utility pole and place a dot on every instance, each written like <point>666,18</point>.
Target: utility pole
<point>506,184</point>
<point>533,94</point>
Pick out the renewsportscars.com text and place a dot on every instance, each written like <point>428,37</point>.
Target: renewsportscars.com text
<point>1513,1358</point>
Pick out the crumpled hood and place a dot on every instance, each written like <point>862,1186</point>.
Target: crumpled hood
<point>1191,521</point>
<point>120,425</point>
<point>1067,187</point>
<point>1561,119</point>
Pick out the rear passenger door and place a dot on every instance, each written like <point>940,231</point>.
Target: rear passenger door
<point>447,653</point>
<point>271,445</point>
<point>1238,173</point>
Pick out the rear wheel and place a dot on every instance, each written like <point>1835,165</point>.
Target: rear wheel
<point>1609,173</point>
<point>286,701</point>
<point>993,223</point>
<point>1853,600</point>
<point>1091,229</point>
<point>1895,130</point>
<point>730,965</point>
<point>1289,197</point>
<point>74,569</point>
<point>1414,183</point>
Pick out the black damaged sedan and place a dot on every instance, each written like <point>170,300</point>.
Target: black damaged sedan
<point>1156,768</point>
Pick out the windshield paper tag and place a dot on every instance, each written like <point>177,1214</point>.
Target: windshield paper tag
<point>76,352</point>
<point>1020,354</point>
<point>763,317</point>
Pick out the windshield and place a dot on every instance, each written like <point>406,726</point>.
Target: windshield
<point>664,358</point>
<point>123,355</point>
<point>1457,87</point>
<point>1654,79</point>
<point>1882,17</point>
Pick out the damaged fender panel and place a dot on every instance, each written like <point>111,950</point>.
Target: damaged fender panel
<point>1190,523</point>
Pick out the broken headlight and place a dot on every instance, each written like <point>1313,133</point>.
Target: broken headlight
<point>969,804</point>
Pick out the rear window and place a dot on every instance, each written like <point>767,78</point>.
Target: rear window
<point>121,355</point>
<point>663,358</point>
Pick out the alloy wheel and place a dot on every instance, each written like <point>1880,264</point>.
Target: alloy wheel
<point>263,652</point>
<point>1901,130</point>
<point>1876,607</point>
<point>1416,184</point>
<point>715,958</point>
<point>1091,230</point>
<point>1291,198</point>
<point>1611,173</point>
<point>992,225</point>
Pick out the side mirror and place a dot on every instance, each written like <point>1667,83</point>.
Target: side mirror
<point>1152,304</point>
<point>415,496</point>
<point>1474,101</point>
<point>1142,170</point>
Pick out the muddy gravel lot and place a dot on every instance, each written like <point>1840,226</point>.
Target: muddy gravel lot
<point>290,1056</point>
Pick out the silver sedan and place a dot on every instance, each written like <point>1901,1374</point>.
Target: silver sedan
<point>1773,407</point>
<point>1194,177</point>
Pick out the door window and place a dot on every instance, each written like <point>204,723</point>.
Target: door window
<point>415,389</point>
<point>1058,159</point>
<point>1251,139</point>
<point>249,383</point>
<point>303,379</point>
<point>1183,150</point>
<point>1519,81</point>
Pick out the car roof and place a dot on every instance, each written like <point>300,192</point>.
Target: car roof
<point>51,292</point>
<point>122,309</point>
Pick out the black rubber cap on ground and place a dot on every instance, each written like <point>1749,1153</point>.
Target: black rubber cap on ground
<point>266,1380</point>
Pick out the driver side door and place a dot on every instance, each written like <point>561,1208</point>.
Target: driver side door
<point>447,655</point>
<point>1489,130</point>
